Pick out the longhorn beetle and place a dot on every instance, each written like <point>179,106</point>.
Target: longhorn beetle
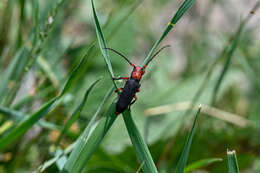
<point>132,85</point>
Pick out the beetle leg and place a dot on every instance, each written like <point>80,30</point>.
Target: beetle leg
<point>119,78</point>
<point>119,89</point>
<point>135,98</point>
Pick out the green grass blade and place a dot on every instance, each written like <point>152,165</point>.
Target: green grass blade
<point>13,71</point>
<point>102,42</point>
<point>142,152</point>
<point>35,12</point>
<point>140,168</point>
<point>183,8</point>
<point>5,18</point>
<point>45,66</point>
<point>22,127</point>
<point>230,52</point>
<point>224,69</point>
<point>232,162</point>
<point>216,61</point>
<point>19,116</point>
<point>140,145</point>
<point>12,114</point>
<point>34,50</point>
<point>25,125</point>
<point>201,163</point>
<point>76,113</point>
<point>22,18</point>
<point>51,161</point>
<point>185,153</point>
<point>75,71</point>
<point>86,145</point>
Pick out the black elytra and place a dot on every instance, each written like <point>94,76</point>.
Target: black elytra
<point>125,99</point>
<point>132,85</point>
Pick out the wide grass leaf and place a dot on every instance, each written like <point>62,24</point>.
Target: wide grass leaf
<point>185,153</point>
<point>141,149</point>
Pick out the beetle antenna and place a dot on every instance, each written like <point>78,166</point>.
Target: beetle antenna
<point>157,54</point>
<point>120,55</point>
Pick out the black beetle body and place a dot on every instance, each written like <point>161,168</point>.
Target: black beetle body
<point>130,89</point>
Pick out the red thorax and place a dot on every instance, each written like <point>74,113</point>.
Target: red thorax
<point>137,72</point>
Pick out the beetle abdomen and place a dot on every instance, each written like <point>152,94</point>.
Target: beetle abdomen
<point>127,95</point>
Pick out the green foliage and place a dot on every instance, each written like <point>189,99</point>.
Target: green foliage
<point>52,119</point>
<point>26,124</point>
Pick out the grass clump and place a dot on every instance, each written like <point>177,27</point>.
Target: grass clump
<point>54,117</point>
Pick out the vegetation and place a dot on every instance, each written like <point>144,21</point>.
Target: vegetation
<point>57,105</point>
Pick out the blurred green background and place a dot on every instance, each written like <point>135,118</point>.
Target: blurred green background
<point>187,71</point>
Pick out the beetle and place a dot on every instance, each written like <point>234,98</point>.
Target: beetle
<point>132,85</point>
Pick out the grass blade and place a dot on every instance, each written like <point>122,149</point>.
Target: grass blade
<point>86,145</point>
<point>45,66</point>
<point>75,71</point>
<point>102,42</point>
<point>34,49</point>
<point>19,116</point>
<point>12,114</point>
<point>230,52</point>
<point>142,152</point>
<point>201,163</point>
<point>225,68</point>
<point>183,8</point>
<point>140,146</point>
<point>76,113</point>
<point>13,72</point>
<point>216,61</point>
<point>51,161</point>
<point>86,133</point>
<point>25,125</point>
<point>140,167</point>
<point>185,153</point>
<point>232,162</point>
